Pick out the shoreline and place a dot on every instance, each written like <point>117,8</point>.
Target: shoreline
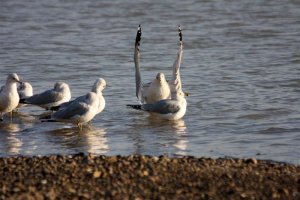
<point>91,176</point>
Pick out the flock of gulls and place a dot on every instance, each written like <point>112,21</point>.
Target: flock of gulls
<point>161,97</point>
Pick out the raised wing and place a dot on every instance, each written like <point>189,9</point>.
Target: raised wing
<point>176,80</point>
<point>138,80</point>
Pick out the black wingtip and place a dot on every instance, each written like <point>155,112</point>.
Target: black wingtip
<point>138,36</point>
<point>22,101</point>
<point>48,120</point>
<point>180,33</point>
<point>54,108</point>
<point>138,107</point>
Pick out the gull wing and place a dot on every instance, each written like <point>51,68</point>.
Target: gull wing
<point>46,97</point>
<point>138,80</point>
<point>162,107</point>
<point>75,108</point>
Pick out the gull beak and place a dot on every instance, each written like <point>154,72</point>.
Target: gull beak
<point>20,82</point>
<point>186,94</point>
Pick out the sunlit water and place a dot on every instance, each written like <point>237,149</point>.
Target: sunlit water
<point>241,66</point>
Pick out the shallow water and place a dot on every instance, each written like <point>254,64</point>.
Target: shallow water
<point>241,66</point>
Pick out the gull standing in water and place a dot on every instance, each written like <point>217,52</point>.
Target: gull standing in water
<point>159,88</point>
<point>98,87</point>
<point>77,112</point>
<point>170,109</point>
<point>9,97</point>
<point>24,90</point>
<point>50,98</point>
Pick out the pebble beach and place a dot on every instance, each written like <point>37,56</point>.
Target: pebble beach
<point>83,176</point>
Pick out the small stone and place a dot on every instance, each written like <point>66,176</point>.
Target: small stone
<point>243,195</point>
<point>96,174</point>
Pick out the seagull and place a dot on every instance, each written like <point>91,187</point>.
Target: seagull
<point>170,109</point>
<point>77,112</point>
<point>97,88</point>
<point>50,98</point>
<point>159,88</point>
<point>24,90</point>
<point>9,97</point>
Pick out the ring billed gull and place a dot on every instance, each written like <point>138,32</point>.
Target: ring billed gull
<point>170,109</point>
<point>24,90</point>
<point>50,98</point>
<point>97,88</point>
<point>78,112</point>
<point>159,88</point>
<point>9,97</point>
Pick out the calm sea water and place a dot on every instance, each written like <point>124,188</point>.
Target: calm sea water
<point>241,66</point>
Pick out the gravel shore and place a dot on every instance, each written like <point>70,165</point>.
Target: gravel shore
<point>146,177</point>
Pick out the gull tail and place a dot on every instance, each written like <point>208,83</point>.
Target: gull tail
<point>137,107</point>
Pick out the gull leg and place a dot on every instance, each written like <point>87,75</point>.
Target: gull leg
<point>11,115</point>
<point>79,125</point>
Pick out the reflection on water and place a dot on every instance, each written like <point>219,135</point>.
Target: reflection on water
<point>14,143</point>
<point>9,134</point>
<point>181,144</point>
<point>9,127</point>
<point>151,135</point>
<point>88,140</point>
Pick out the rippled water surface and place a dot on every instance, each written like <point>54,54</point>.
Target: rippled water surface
<point>241,66</point>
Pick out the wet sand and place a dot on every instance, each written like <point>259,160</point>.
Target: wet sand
<point>146,177</point>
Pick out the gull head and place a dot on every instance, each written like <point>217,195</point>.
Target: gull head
<point>13,78</point>
<point>178,94</point>
<point>160,77</point>
<point>99,85</point>
<point>25,89</point>
<point>61,86</point>
<point>25,86</point>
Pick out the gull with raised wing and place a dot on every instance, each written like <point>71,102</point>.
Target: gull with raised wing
<point>159,88</point>
<point>9,97</point>
<point>50,98</point>
<point>170,109</point>
<point>77,112</point>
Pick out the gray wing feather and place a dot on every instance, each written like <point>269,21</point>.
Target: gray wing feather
<point>46,97</point>
<point>66,104</point>
<point>163,107</point>
<point>76,108</point>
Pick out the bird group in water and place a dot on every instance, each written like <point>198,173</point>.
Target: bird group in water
<point>162,98</point>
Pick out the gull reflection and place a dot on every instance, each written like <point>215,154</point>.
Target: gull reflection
<point>14,144</point>
<point>174,134</point>
<point>72,140</point>
<point>11,137</point>
<point>9,127</point>
<point>181,142</point>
